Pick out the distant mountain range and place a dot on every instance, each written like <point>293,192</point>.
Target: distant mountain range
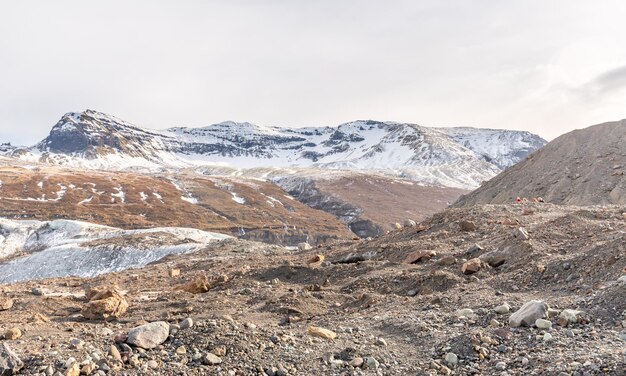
<point>452,157</point>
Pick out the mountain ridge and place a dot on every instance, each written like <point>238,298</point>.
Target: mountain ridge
<point>455,157</point>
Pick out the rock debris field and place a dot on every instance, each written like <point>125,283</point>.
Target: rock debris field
<point>520,289</point>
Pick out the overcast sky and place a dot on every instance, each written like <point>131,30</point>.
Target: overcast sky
<point>543,66</point>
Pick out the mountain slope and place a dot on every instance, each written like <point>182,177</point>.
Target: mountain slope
<point>247,208</point>
<point>583,167</point>
<point>432,156</point>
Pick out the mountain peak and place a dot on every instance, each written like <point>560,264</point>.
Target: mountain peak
<point>461,158</point>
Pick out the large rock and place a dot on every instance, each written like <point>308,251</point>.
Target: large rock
<point>569,316</point>
<point>471,266</point>
<point>201,284</point>
<point>528,314</point>
<point>150,335</point>
<point>304,246</point>
<point>316,331</point>
<point>5,303</point>
<point>417,256</point>
<point>10,363</point>
<point>104,303</point>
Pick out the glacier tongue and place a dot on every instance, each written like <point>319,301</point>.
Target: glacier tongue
<point>72,248</point>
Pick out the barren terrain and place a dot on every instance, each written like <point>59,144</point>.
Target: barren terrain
<point>398,305</point>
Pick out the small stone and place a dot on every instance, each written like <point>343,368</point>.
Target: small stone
<point>502,309</point>
<point>494,323</point>
<point>547,337</point>
<point>569,333</point>
<point>316,260</point>
<point>73,370</point>
<point>466,312</point>
<point>371,363</point>
<point>39,291</point>
<point>569,316</point>
<point>419,255</point>
<point>186,323</point>
<point>174,273</point>
<point>411,293</point>
<point>525,361</point>
<point>211,359</point>
<point>12,334</point>
<point>356,362</point>
<point>304,246</point>
<point>452,359</point>
<point>5,303</point>
<point>321,332</point>
<point>467,226</point>
<point>500,366</point>
<point>381,342</point>
<point>543,324</point>
<point>77,344</point>
<point>181,350</point>
<point>88,368</point>
<point>471,266</point>
<point>219,350</point>
<point>153,364</point>
<point>115,353</point>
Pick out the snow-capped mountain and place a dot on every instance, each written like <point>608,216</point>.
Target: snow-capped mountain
<point>503,148</point>
<point>455,157</point>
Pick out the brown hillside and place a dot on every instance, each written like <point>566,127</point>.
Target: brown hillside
<point>251,209</point>
<point>583,167</point>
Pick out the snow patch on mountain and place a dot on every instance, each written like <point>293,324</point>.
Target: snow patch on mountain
<point>455,157</point>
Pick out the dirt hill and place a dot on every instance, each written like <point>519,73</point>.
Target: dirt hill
<point>583,167</point>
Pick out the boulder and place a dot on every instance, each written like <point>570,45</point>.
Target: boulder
<point>417,256</point>
<point>467,226</point>
<point>304,246</point>
<point>528,314</point>
<point>211,359</point>
<point>201,284</point>
<point>10,363</point>
<point>471,266</point>
<point>5,303</point>
<point>321,332</point>
<point>150,335</point>
<point>12,334</point>
<point>569,316</point>
<point>316,260</point>
<point>105,302</point>
<point>409,223</point>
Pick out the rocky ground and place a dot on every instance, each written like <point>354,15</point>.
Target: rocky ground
<point>440,297</point>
